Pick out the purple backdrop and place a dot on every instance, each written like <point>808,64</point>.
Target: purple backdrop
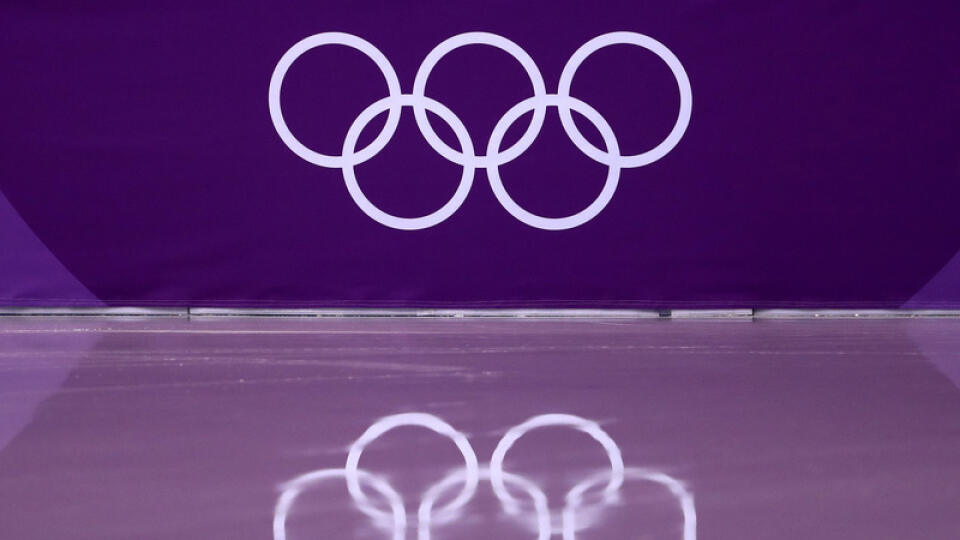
<point>820,167</point>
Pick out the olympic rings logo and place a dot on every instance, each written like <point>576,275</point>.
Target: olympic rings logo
<point>467,156</point>
<point>575,515</point>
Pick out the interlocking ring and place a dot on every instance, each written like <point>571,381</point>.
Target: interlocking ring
<point>574,499</point>
<point>589,427</point>
<point>276,113</point>
<point>494,157</point>
<point>293,489</point>
<point>548,223</point>
<point>683,84</point>
<point>521,56</point>
<point>575,515</point>
<point>429,421</point>
<point>466,180</point>
<point>425,514</point>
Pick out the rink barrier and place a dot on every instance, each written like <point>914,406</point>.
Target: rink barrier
<point>680,314</point>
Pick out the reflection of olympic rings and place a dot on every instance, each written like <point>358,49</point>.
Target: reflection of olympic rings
<point>293,489</point>
<point>425,517</point>
<point>575,515</point>
<point>544,420</point>
<point>471,467</point>
<point>677,489</point>
<point>466,157</point>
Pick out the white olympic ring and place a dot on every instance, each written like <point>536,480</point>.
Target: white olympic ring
<point>466,181</point>
<point>511,48</point>
<point>589,427</point>
<point>466,157</point>
<point>429,421</point>
<point>683,84</point>
<point>547,223</point>
<point>276,113</point>
<point>574,517</point>
<point>425,518</point>
<point>677,489</point>
<point>293,488</point>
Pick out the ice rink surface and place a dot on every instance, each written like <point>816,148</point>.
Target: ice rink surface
<point>297,428</point>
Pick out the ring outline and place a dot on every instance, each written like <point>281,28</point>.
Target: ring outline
<point>364,203</point>
<point>280,72</point>
<point>679,73</point>
<point>545,420</point>
<point>293,488</point>
<point>574,220</point>
<point>479,38</point>
<point>429,421</point>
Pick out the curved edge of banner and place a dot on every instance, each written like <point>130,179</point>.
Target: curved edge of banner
<point>33,275</point>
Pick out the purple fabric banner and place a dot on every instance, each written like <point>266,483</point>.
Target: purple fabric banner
<point>627,154</point>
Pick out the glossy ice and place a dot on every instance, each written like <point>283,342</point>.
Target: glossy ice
<point>841,429</point>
